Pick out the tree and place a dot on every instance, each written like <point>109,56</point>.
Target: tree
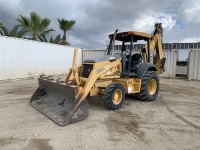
<point>17,31</point>
<point>35,24</point>
<point>65,25</point>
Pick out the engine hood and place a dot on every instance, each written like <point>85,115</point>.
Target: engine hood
<point>103,58</point>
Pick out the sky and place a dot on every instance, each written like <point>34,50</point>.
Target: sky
<point>95,19</point>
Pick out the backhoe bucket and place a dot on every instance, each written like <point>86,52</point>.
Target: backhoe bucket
<point>57,101</point>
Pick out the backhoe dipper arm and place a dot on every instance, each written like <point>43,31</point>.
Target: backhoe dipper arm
<point>156,44</point>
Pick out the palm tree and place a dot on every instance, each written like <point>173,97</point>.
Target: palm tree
<point>35,24</point>
<point>65,25</point>
<point>17,31</point>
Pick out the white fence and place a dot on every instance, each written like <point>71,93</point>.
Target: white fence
<point>170,64</point>
<point>194,65</point>
<point>25,58</point>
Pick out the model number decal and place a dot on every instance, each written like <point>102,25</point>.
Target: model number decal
<point>99,70</point>
<point>102,69</point>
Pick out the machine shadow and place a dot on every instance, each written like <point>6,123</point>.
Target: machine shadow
<point>97,102</point>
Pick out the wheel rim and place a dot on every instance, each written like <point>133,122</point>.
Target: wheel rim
<point>117,96</point>
<point>152,87</point>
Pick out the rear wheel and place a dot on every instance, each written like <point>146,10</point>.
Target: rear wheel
<point>114,96</point>
<point>149,87</point>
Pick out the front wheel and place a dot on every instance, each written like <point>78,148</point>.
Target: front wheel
<point>149,87</point>
<point>114,96</point>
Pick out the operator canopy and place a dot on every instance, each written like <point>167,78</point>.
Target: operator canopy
<point>126,36</point>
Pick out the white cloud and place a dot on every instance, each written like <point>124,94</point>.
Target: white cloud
<point>146,21</point>
<point>97,18</point>
<point>190,11</point>
<point>191,40</point>
<point>11,5</point>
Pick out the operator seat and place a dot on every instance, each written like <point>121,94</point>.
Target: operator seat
<point>136,60</point>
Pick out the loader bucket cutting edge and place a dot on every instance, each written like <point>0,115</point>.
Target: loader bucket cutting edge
<point>57,101</point>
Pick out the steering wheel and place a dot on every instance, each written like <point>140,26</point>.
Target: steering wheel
<point>127,52</point>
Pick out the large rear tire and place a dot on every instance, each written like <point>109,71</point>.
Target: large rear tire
<point>149,87</point>
<point>114,96</point>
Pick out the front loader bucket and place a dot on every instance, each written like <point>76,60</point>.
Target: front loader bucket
<point>57,101</point>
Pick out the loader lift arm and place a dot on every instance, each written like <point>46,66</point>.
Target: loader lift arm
<point>96,73</point>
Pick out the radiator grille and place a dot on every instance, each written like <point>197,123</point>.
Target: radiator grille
<point>87,68</point>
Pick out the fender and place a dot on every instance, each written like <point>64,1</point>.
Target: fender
<point>145,67</point>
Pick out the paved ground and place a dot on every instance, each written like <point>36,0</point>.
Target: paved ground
<point>171,122</point>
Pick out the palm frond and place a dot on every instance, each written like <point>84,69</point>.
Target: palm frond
<point>13,32</point>
<point>4,31</point>
<point>21,33</point>
<point>47,31</point>
<point>1,32</point>
<point>42,38</point>
<point>35,19</point>
<point>51,39</point>
<point>45,22</point>
<point>23,21</point>
<point>58,39</point>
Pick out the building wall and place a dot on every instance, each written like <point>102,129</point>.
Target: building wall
<point>88,54</point>
<point>21,58</point>
<point>167,46</point>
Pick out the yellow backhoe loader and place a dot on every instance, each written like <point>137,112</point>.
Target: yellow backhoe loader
<point>112,75</point>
